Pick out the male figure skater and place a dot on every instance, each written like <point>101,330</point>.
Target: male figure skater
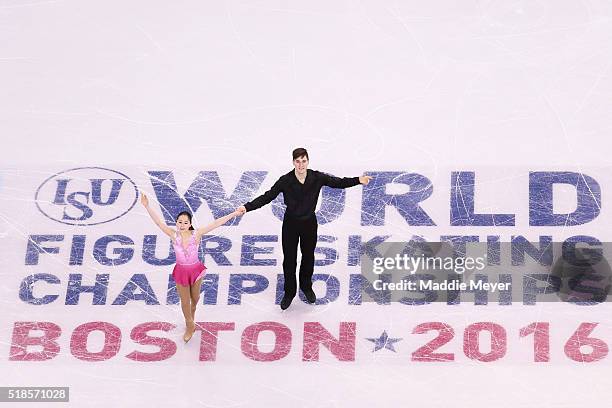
<point>300,188</point>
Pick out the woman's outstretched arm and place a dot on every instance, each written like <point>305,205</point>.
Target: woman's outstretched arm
<point>216,223</point>
<point>167,230</point>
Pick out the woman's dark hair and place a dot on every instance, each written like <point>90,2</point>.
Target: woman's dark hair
<point>299,152</point>
<point>188,214</point>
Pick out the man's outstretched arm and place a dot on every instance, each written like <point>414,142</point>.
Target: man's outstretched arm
<point>344,182</point>
<point>263,199</point>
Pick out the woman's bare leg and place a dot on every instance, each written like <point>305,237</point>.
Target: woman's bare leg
<point>185,296</point>
<point>195,296</point>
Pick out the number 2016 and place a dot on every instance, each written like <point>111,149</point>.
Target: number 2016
<point>498,342</point>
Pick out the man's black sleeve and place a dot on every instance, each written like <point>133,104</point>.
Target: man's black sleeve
<point>337,182</point>
<point>266,197</point>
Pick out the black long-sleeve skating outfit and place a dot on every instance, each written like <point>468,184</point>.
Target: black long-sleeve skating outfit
<point>299,222</point>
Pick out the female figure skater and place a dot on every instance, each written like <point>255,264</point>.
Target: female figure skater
<point>189,270</point>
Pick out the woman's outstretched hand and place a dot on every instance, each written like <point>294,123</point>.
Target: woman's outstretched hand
<point>144,200</point>
<point>241,210</point>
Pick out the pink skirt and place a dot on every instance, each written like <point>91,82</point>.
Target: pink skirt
<point>187,275</point>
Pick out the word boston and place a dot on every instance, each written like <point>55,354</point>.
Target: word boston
<point>27,342</point>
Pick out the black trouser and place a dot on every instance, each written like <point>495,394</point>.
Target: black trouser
<point>304,230</point>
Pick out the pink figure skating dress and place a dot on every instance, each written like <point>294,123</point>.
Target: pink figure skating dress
<point>188,268</point>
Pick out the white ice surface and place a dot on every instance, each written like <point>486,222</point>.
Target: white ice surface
<point>496,87</point>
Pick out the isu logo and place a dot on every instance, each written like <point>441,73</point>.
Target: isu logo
<point>86,196</point>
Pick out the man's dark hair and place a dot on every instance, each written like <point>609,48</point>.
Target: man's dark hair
<point>299,152</point>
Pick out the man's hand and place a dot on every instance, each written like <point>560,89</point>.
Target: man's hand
<point>365,179</point>
<point>241,210</point>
